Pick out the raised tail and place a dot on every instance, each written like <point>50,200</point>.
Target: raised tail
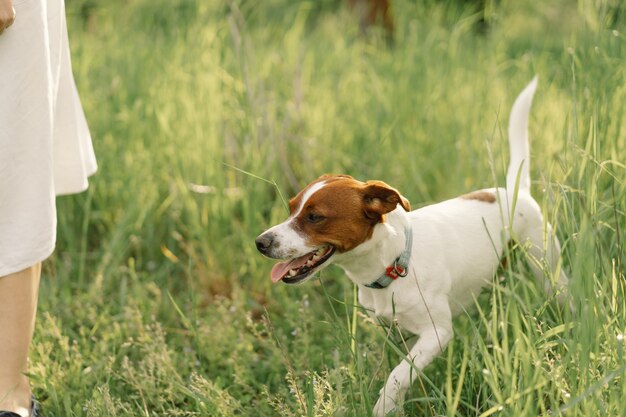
<point>518,139</point>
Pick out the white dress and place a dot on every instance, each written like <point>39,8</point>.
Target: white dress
<point>45,146</point>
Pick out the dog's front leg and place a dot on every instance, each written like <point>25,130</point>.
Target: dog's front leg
<point>431,342</point>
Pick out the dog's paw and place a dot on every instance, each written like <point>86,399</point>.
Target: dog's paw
<point>385,405</point>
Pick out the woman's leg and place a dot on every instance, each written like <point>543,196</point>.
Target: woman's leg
<point>18,307</point>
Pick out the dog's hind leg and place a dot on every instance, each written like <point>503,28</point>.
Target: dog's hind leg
<point>545,262</point>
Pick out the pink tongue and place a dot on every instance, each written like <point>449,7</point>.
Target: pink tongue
<point>281,268</point>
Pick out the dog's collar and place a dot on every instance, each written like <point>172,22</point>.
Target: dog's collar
<point>399,268</point>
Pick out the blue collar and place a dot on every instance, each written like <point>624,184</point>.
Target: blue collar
<point>399,268</point>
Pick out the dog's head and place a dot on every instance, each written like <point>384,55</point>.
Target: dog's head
<point>334,214</point>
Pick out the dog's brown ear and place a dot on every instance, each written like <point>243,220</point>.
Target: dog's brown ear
<point>379,198</point>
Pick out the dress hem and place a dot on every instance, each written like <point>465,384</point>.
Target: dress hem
<point>42,256</point>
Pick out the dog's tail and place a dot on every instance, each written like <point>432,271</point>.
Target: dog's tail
<point>518,140</point>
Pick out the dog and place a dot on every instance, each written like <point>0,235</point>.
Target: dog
<point>419,268</point>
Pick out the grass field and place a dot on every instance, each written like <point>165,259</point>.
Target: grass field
<point>207,115</point>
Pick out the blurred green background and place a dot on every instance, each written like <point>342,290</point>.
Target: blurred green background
<point>206,115</point>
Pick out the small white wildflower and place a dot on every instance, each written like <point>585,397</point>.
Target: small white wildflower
<point>201,189</point>
<point>620,337</point>
<point>486,372</point>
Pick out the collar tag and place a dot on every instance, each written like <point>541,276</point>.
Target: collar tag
<point>400,267</point>
<point>396,270</point>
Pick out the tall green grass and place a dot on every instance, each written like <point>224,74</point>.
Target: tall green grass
<point>206,115</point>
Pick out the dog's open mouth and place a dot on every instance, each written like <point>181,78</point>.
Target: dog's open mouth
<point>297,269</point>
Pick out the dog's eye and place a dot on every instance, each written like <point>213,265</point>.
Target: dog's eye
<point>314,218</point>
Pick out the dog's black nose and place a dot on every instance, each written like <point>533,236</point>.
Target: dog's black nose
<point>264,242</point>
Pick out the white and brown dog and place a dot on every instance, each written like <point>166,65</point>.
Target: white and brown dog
<point>423,267</point>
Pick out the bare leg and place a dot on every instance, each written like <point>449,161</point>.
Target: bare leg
<point>18,307</point>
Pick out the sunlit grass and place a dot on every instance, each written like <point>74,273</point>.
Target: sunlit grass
<point>205,115</point>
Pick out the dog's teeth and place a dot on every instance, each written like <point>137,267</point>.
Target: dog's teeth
<point>292,273</point>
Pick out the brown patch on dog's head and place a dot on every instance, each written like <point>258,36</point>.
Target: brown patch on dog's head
<point>484,196</point>
<point>344,212</point>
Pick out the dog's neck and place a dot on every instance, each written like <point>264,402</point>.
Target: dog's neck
<point>365,263</point>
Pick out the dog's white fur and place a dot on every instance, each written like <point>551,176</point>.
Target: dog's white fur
<point>457,247</point>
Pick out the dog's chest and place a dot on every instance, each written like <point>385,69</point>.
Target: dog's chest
<point>384,305</point>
